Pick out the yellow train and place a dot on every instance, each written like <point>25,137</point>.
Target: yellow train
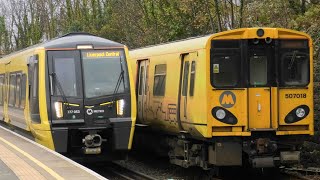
<point>234,98</point>
<point>73,94</point>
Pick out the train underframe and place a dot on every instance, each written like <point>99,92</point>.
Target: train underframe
<point>261,150</point>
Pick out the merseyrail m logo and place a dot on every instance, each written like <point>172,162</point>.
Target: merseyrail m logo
<point>227,99</point>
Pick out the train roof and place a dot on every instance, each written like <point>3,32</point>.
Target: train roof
<point>200,42</point>
<point>71,41</point>
<point>183,45</point>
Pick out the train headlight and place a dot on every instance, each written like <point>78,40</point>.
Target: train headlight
<point>221,114</point>
<point>59,110</point>
<point>300,112</point>
<point>120,107</point>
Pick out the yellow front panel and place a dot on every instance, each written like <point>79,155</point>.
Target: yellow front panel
<point>259,108</point>
<point>289,99</point>
<point>234,101</point>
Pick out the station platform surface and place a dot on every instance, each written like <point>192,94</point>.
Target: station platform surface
<point>21,158</point>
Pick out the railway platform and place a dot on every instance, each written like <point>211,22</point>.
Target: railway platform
<point>21,158</point>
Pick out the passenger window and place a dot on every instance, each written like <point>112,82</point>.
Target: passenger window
<point>23,91</point>
<point>192,77</point>
<point>18,85</point>
<point>141,80</point>
<point>185,78</point>
<point>159,85</point>
<point>13,81</point>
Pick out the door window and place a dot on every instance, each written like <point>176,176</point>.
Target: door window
<point>258,70</point>
<point>185,78</point>
<point>141,80</point>
<point>192,77</point>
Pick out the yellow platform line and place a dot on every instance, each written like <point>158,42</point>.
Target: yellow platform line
<point>19,167</point>
<point>46,168</point>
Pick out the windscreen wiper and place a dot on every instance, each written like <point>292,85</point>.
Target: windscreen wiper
<point>120,79</point>
<point>293,58</point>
<point>58,84</point>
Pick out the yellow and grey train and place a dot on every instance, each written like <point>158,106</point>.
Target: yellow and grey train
<point>242,97</point>
<point>73,94</point>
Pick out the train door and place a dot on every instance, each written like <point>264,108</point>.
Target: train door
<point>2,78</point>
<point>260,79</point>
<point>6,94</point>
<point>143,89</point>
<point>187,88</point>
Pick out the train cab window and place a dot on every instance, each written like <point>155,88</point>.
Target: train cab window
<point>295,65</point>
<point>13,81</point>
<point>225,58</point>
<point>192,78</point>
<point>225,70</point>
<point>65,76</point>
<point>185,78</point>
<point>18,90</point>
<point>104,75</point>
<point>23,90</point>
<point>1,89</point>
<point>159,85</point>
<point>258,70</point>
<point>295,69</point>
<point>141,80</point>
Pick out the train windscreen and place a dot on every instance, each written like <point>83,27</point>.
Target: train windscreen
<point>65,71</point>
<point>254,63</point>
<point>225,63</point>
<point>105,73</point>
<point>294,62</point>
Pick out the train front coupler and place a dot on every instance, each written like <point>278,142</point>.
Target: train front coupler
<point>92,143</point>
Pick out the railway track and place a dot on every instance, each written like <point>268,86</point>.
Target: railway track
<point>310,173</point>
<point>115,171</point>
<point>127,174</point>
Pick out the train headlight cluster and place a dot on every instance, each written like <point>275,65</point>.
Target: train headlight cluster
<point>221,114</point>
<point>120,107</point>
<point>59,109</point>
<point>300,112</point>
<point>297,114</point>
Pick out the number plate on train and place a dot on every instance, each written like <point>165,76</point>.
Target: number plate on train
<point>289,96</point>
